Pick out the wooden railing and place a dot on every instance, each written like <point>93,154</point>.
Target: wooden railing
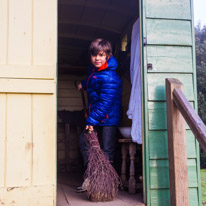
<point>180,110</point>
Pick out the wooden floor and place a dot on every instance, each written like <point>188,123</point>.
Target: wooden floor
<point>66,194</point>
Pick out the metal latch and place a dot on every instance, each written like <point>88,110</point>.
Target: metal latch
<point>145,41</point>
<point>149,67</point>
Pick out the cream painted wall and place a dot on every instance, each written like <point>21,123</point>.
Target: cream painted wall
<point>28,48</point>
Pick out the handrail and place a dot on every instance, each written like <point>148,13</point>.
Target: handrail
<point>191,117</point>
<point>177,149</point>
<point>180,110</point>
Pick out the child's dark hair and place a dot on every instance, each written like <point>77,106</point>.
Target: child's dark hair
<point>99,45</point>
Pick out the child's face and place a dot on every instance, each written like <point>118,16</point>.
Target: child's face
<point>99,60</point>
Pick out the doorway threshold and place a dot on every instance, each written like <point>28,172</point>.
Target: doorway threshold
<point>66,194</point>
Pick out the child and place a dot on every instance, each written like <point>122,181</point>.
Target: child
<point>104,88</point>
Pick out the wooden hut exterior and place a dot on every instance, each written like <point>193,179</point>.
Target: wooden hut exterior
<point>28,92</point>
<point>169,53</point>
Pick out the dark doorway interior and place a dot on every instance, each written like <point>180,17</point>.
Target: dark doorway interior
<point>79,23</point>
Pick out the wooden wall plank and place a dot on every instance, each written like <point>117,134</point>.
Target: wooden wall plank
<point>157,116</point>
<point>44,139</point>
<point>69,102</point>
<point>156,85</point>
<point>158,148</point>
<point>2,136</point>
<point>175,9</point>
<point>27,71</point>
<point>69,93</point>
<point>32,196</point>
<point>159,174</point>
<point>192,172</point>
<point>45,42</point>
<point>193,197</point>
<point>3,33</point>
<point>27,86</point>
<point>169,32</point>
<point>19,145</point>
<point>19,45</point>
<point>160,197</point>
<point>170,59</point>
<point>191,145</point>
<point>70,107</point>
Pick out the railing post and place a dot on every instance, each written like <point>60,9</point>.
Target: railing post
<point>177,151</point>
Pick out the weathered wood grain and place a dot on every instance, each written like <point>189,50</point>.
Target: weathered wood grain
<point>44,139</point>
<point>27,86</point>
<point>162,197</point>
<point>28,71</point>
<point>166,58</point>
<point>159,174</point>
<point>156,85</point>
<point>157,116</point>
<point>191,117</point>
<point>169,32</point>
<point>3,111</point>
<point>20,32</point>
<point>32,196</point>
<point>177,153</point>
<point>19,140</point>
<point>176,9</point>
<point>158,145</point>
<point>44,42</point>
<point>3,33</point>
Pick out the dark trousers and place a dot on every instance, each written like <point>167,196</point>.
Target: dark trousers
<point>107,138</point>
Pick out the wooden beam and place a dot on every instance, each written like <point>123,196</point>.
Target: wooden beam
<point>88,24</point>
<point>89,38</point>
<point>99,5</point>
<point>191,117</point>
<point>177,152</point>
<point>77,36</point>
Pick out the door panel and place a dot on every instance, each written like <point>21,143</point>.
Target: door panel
<point>28,47</point>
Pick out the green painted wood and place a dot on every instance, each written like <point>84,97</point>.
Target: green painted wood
<point>196,104</point>
<point>160,197</point>
<point>170,49</point>
<point>193,197</point>
<point>158,145</point>
<point>174,9</point>
<point>192,172</point>
<point>157,116</point>
<point>159,174</point>
<point>156,85</point>
<point>168,32</point>
<point>170,59</point>
<point>191,145</point>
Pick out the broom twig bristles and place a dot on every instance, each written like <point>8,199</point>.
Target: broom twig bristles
<point>100,180</point>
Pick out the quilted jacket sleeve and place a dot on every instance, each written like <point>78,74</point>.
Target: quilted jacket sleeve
<point>108,91</point>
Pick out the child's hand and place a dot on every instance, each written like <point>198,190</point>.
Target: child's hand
<point>90,128</point>
<point>79,86</point>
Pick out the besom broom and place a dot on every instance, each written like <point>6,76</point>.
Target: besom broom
<point>101,181</point>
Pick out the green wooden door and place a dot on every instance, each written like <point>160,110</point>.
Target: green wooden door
<point>167,45</point>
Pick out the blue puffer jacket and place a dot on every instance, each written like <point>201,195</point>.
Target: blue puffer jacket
<point>104,88</point>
